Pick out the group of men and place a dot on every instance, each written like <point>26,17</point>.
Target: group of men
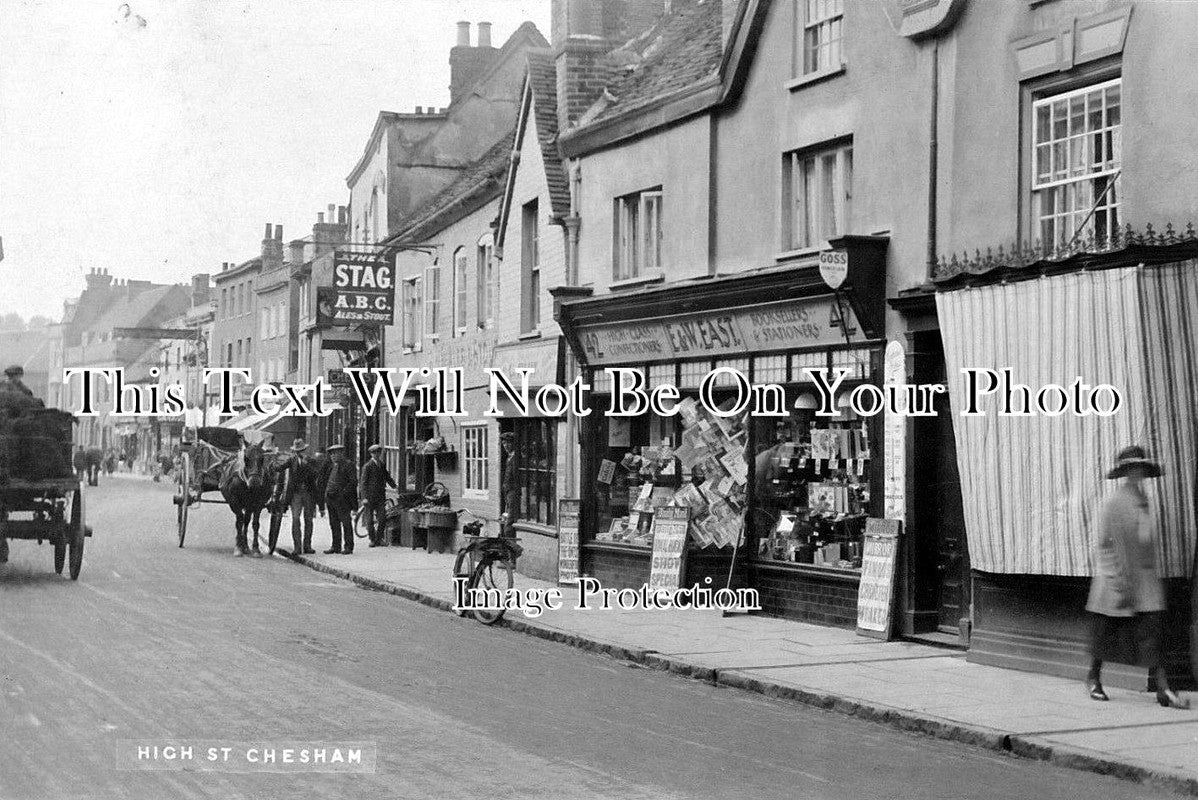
<point>307,484</point>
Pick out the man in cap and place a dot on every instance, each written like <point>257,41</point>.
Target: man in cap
<point>14,375</point>
<point>374,482</point>
<point>509,483</point>
<point>341,496</point>
<point>295,488</point>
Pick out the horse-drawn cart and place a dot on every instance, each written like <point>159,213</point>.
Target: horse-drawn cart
<point>201,459</point>
<point>40,495</point>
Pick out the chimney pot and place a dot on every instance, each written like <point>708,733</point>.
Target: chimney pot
<point>342,215</point>
<point>419,109</point>
<point>267,234</point>
<point>278,232</point>
<point>484,34</point>
<point>332,214</point>
<point>463,34</point>
<point>319,217</point>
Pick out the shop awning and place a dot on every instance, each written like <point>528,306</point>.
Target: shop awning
<point>1032,486</point>
<point>254,422</point>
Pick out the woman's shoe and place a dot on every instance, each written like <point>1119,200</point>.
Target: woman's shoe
<point>1169,699</point>
<point>1096,690</point>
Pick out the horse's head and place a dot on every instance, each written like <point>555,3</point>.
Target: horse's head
<point>254,460</point>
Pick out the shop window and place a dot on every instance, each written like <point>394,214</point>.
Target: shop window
<point>485,282</point>
<point>410,321</point>
<point>536,471</point>
<point>432,303</point>
<point>530,268</point>
<point>460,266</point>
<point>821,34</point>
<point>1077,155</point>
<point>636,242</point>
<point>475,464</point>
<point>817,195</point>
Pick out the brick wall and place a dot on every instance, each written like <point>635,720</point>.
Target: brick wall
<point>822,599</point>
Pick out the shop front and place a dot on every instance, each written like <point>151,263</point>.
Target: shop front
<point>1032,484</point>
<point>777,495</point>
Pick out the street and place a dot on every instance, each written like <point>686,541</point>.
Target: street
<point>155,643</point>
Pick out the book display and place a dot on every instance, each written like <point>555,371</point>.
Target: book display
<point>704,471</point>
<point>813,490</point>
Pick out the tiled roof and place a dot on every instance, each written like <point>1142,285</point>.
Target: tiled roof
<point>135,311</point>
<point>542,78</point>
<point>480,183</point>
<point>682,49</point>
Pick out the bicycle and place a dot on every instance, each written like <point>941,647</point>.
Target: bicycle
<point>486,563</point>
<point>392,507</point>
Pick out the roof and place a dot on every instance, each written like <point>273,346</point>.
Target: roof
<point>683,48</point>
<point>479,183</point>
<point>27,348</point>
<point>542,80</point>
<point>136,309</point>
<point>233,272</point>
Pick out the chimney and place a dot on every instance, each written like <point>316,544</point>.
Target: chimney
<point>201,290</point>
<point>272,248</point>
<point>484,34</point>
<point>98,281</point>
<point>327,235</point>
<point>295,252</point>
<point>467,64</point>
<point>583,33</point>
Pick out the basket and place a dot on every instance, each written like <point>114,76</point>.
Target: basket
<point>436,519</point>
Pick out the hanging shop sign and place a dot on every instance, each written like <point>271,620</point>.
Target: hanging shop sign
<point>670,526</point>
<point>834,267</point>
<point>783,325</point>
<point>567,540</point>
<point>363,291</point>
<point>875,593</point>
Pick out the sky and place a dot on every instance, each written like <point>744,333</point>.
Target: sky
<point>157,138</point>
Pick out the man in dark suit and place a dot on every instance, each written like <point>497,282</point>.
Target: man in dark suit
<point>296,488</point>
<point>341,496</point>
<point>509,485</point>
<point>374,482</point>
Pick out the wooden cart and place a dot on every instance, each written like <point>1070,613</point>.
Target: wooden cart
<point>48,510</point>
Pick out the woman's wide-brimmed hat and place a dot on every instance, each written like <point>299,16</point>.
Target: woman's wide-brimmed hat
<point>1134,456</point>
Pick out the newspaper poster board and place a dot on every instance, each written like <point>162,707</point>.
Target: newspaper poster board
<point>875,595</point>
<point>670,526</point>
<point>568,512</point>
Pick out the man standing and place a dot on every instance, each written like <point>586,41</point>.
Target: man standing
<point>296,488</point>
<point>509,484</point>
<point>14,375</point>
<point>341,495</point>
<point>374,482</point>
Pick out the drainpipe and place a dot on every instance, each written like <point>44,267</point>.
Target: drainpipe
<point>573,430</point>
<point>933,155</point>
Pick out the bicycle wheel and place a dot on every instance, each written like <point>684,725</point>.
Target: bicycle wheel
<point>492,575</point>
<point>463,566</point>
<point>361,523</point>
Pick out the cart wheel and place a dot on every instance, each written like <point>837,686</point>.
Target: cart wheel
<point>77,532</point>
<point>184,498</point>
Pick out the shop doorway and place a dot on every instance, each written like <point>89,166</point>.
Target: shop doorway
<point>939,553</point>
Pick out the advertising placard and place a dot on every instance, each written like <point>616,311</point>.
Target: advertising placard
<point>567,540</point>
<point>363,290</point>
<point>670,527</point>
<point>875,594</point>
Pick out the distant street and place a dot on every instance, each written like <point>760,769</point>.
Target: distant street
<point>155,642</point>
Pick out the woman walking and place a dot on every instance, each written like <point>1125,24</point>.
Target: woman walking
<point>1127,594</point>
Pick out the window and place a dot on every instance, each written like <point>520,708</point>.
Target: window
<point>817,195</point>
<point>476,478</point>
<point>263,323</point>
<point>485,282</point>
<point>240,352</point>
<point>224,302</point>
<point>637,243</point>
<point>461,264</point>
<point>410,320</point>
<point>822,31</point>
<point>530,268</point>
<point>536,471</point>
<point>1077,152</point>
<point>432,304</point>
<point>229,354</point>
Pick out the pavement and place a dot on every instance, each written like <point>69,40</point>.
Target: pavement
<point>911,686</point>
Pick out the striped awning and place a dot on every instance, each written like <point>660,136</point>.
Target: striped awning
<point>1031,486</point>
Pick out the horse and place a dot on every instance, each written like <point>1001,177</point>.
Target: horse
<point>246,484</point>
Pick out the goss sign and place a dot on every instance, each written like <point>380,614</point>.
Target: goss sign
<point>363,291</point>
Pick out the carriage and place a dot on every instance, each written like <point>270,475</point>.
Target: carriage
<point>41,498</point>
<point>201,458</point>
